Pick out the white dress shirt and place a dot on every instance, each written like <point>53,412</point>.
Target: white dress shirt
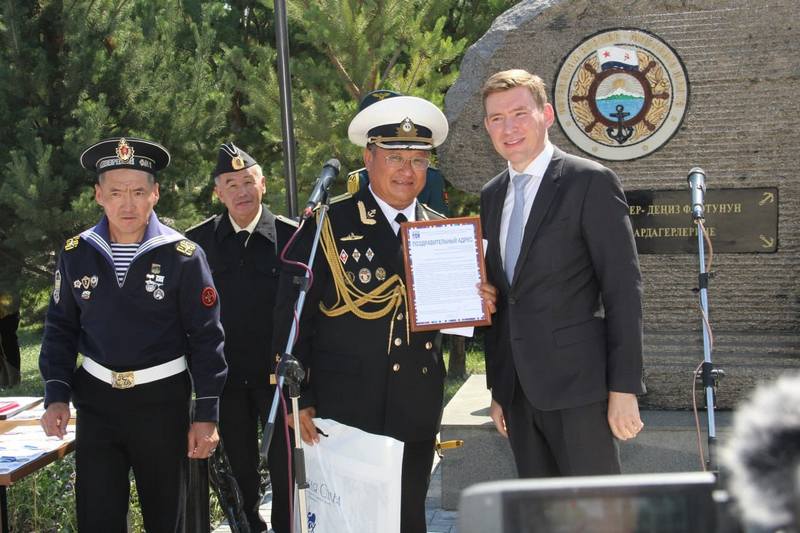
<point>390,212</point>
<point>536,169</point>
<point>250,227</point>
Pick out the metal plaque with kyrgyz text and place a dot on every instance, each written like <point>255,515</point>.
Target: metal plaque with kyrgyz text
<point>737,220</point>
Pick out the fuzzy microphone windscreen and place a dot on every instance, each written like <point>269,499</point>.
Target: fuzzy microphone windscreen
<point>763,454</point>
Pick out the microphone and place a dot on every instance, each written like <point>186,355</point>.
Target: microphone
<point>697,183</point>
<point>329,171</point>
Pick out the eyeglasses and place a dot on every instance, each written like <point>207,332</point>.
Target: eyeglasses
<point>398,161</point>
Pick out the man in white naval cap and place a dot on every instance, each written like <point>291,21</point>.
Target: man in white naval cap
<point>366,368</point>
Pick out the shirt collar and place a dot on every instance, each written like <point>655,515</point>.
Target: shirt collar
<point>153,229</point>
<point>251,226</point>
<point>538,166</point>
<point>390,212</point>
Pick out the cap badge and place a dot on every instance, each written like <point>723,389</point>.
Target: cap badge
<point>124,150</point>
<point>407,128</point>
<point>237,163</point>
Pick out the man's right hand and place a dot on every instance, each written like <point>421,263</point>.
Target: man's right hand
<point>496,413</point>
<point>308,431</point>
<point>55,419</point>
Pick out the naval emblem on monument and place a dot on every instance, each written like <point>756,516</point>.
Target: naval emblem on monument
<point>621,94</point>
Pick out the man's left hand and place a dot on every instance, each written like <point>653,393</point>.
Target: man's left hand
<point>623,415</point>
<point>489,295</point>
<point>203,439</point>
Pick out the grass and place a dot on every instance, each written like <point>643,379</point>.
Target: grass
<point>44,502</point>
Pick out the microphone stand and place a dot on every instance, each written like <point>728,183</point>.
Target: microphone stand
<point>290,373</point>
<point>708,375</point>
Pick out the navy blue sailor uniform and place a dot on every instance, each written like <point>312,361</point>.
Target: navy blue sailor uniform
<point>366,368</point>
<point>136,336</point>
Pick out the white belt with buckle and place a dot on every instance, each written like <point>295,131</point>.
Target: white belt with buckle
<point>126,380</point>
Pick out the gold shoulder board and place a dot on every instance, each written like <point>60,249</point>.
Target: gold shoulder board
<point>354,181</point>
<point>72,243</point>
<point>186,248</point>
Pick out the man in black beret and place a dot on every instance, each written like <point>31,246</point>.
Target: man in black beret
<point>243,244</point>
<point>137,300</point>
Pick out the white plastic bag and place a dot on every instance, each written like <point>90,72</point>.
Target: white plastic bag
<point>354,481</point>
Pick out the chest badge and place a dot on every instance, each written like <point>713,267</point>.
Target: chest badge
<point>352,237</point>
<point>380,273</point>
<point>367,218</point>
<point>356,255</point>
<point>57,287</point>
<point>364,276</point>
<point>154,281</point>
<point>343,256</point>
<point>370,254</point>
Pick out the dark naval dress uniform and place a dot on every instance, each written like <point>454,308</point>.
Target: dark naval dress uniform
<point>137,337</point>
<point>247,280</point>
<point>368,372</point>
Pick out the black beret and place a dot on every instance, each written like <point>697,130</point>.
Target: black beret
<point>232,158</point>
<point>125,152</point>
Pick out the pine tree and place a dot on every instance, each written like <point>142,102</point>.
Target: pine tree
<point>73,73</point>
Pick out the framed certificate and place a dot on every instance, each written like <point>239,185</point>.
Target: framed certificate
<point>444,265</point>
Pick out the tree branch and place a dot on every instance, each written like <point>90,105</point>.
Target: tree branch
<point>350,85</point>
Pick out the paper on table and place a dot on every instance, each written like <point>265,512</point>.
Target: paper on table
<point>23,444</point>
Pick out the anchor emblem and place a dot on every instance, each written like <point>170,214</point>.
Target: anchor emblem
<point>620,132</point>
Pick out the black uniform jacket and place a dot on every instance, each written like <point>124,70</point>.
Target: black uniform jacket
<point>165,307</point>
<point>247,280</point>
<point>569,325</point>
<point>358,374</point>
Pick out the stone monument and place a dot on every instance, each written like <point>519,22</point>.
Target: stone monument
<point>652,89</point>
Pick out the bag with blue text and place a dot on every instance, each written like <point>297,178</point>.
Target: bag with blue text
<point>354,481</point>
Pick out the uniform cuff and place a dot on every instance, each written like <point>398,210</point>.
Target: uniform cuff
<point>206,409</point>
<point>56,391</point>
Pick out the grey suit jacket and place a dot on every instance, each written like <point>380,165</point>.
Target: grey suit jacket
<point>569,325</point>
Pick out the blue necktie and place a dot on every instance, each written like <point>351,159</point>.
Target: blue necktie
<point>516,225</point>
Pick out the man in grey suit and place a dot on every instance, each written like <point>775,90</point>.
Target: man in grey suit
<point>564,354</point>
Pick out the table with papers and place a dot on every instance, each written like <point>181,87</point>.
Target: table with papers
<point>24,448</point>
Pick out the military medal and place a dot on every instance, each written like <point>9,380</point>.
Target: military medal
<point>57,288</point>
<point>364,275</point>
<point>76,284</point>
<point>380,273</point>
<point>370,254</point>
<point>93,281</point>
<point>343,256</point>
<point>86,294</point>
<point>86,282</point>
<point>356,255</point>
<point>153,282</point>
